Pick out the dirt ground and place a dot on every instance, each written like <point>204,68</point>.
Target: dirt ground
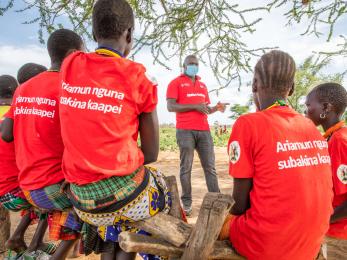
<point>168,163</point>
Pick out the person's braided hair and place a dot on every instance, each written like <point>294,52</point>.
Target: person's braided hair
<point>276,70</point>
<point>8,85</point>
<point>332,93</point>
<point>29,70</point>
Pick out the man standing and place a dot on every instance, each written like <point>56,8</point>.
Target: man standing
<point>188,97</point>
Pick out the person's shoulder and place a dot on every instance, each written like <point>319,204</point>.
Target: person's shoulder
<point>203,85</point>
<point>198,78</point>
<point>340,136</point>
<point>137,71</point>
<point>303,119</point>
<point>285,113</point>
<point>46,77</point>
<point>34,81</point>
<point>71,59</point>
<point>178,80</point>
<point>76,58</point>
<point>44,84</point>
<point>75,55</point>
<point>264,118</point>
<point>132,66</point>
<point>251,116</point>
<point>342,132</point>
<point>249,119</point>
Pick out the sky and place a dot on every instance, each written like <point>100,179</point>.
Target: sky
<point>19,44</point>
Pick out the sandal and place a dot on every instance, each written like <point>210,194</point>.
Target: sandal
<point>49,248</point>
<point>12,255</point>
<point>41,254</point>
<point>36,255</point>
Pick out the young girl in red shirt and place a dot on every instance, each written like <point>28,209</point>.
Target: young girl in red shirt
<point>326,105</point>
<point>106,102</point>
<point>281,169</point>
<point>33,123</point>
<point>11,195</point>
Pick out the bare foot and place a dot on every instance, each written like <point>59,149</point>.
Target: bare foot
<point>17,245</point>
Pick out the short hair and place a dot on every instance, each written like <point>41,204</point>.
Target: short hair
<point>111,18</point>
<point>60,42</point>
<point>332,93</point>
<point>29,70</point>
<point>188,57</point>
<point>276,70</point>
<point>8,85</point>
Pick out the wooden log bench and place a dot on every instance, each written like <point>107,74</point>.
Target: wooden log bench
<point>177,239</point>
<point>131,242</point>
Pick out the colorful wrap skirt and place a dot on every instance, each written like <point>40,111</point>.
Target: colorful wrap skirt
<point>106,217</point>
<point>63,223</point>
<point>15,201</point>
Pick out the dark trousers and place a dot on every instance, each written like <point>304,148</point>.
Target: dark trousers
<point>188,141</point>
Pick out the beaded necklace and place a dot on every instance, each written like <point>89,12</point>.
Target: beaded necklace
<point>332,129</point>
<point>109,52</point>
<point>278,103</point>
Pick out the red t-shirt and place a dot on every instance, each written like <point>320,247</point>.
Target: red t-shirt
<point>37,138</point>
<point>185,91</point>
<point>8,167</point>
<point>290,201</point>
<point>101,100</point>
<point>338,153</point>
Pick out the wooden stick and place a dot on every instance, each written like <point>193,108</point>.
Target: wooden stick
<point>175,210</point>
<point>169,228</point>
<point>131,242</point>
<point>213,212</point>
<point>223,251</point>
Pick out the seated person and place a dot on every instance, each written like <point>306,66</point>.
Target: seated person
<point>326,105</point>
<point>106,102</point>
<point>281,169</point>
<point>33,123</point>
<point>11,195</point>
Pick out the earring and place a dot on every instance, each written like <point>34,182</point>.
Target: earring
<point>323,115</point>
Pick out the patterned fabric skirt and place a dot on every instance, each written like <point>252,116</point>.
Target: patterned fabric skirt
<point>63,222</point>
<point>149,198</point>
<point>15,201</point>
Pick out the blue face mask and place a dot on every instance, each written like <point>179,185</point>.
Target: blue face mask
<point>192,70</point>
